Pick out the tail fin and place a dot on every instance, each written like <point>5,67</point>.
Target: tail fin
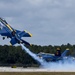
<point>58,52</point>
<point>64,53</point>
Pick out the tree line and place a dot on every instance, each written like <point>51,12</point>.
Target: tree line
<point>16,55</point>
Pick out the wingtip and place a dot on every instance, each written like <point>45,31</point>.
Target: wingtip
<point>28,33</point>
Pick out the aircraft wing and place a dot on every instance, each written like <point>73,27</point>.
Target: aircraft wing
<point>3,23</point>
<point>5,28</point>
<point>49,56</point>
<point>45,56</point>
<point>4,31</point>
<point>15,35</point>
<point>9,29</point>
<point>24,33</point>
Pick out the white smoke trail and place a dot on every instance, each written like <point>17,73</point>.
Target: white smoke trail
<point>62,65</point>
<point>65,65</point>
<point>41,61</point>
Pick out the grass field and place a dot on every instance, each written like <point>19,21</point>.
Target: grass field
<point>37,73</point>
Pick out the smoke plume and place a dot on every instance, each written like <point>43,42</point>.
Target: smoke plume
<point>67,64</point>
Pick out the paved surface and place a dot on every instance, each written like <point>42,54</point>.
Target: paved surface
<point>20,69</point>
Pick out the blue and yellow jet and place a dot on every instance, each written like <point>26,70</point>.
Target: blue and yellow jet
<point>53,57</point>
<point>7,31</point>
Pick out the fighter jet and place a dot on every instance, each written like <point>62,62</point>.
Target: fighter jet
<point>53,57</point>
<point>15,35</point>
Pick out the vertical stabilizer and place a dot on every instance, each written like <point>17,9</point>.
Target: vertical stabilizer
<point>65,52</point>
<point>58,52</point>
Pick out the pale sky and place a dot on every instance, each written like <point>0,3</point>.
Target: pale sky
<point>51,22</point>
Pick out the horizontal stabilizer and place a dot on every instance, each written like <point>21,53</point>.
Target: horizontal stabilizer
<point>25,42</point>
<point>25,34</point>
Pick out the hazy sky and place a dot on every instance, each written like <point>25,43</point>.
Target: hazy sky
<point>51,22</point>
